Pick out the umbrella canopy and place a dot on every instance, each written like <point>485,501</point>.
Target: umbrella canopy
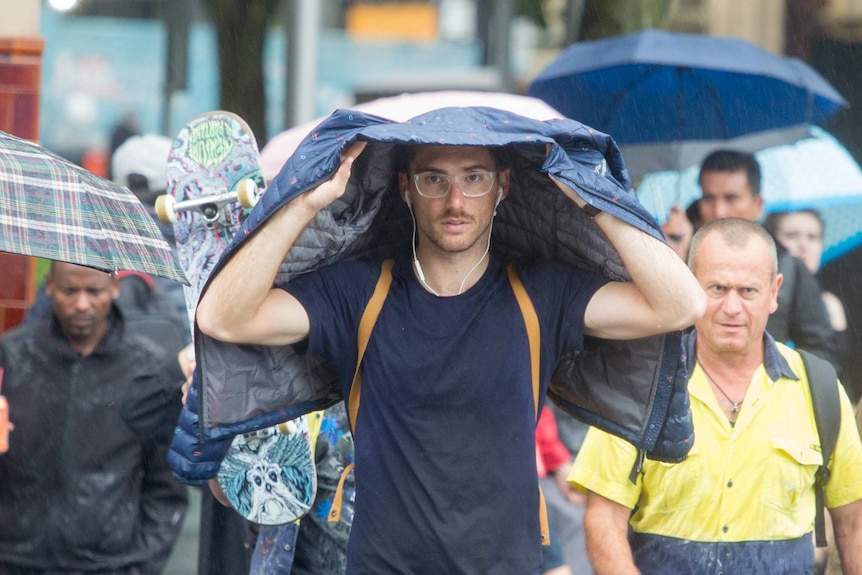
<point>643,159</point>
<point>401,108</point>
<point>53,209</point>
<point>656,86</point>
<point>815,172</point>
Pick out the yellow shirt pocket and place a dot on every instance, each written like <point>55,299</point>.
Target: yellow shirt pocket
<point>789,472</point>
<point>670,487</point>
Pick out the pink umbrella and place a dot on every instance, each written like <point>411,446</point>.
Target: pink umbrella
<point>403,107</point>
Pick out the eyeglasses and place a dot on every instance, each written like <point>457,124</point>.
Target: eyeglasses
<point>471,184</point>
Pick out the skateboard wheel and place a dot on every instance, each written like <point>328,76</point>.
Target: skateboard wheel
<point>166,209</point>
<point>287,428</point>
<point>247,193</point>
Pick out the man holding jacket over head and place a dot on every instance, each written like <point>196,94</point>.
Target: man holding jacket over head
<point>444,439</point>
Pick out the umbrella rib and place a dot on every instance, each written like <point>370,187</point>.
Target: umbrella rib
<point>809,93</point>
<point>713,92</point>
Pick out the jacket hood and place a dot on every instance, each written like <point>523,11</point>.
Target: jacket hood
<point>584,159</point>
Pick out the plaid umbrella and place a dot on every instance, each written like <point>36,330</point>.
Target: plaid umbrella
<point>53,209</point>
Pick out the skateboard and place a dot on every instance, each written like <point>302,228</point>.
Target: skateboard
<point>213,181</point>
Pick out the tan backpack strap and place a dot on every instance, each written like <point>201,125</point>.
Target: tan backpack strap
<point>366,325</point>
<point>543,518</point>
<point>335,511</point>
<point>533,333</point>
<point>534,338</point>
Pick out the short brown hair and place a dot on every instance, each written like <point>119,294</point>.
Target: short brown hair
<point>733,161</point>
<point>405,153</point>
<point>736,232</point>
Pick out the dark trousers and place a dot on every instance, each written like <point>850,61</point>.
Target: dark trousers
<point>658,555</point>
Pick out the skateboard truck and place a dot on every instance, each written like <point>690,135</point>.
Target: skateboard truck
<point>210,207</point>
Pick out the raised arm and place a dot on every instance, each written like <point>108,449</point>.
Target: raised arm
<point>663,295</point>
<point>240,304</point>
<point>606,525</point>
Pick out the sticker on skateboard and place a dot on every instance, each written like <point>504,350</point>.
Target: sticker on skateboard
<point>213,180</point>
<point>258,485</point>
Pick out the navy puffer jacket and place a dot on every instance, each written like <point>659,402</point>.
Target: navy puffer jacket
<point>635,389</point>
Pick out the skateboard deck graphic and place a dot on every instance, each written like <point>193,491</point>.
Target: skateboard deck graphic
<point>213,180</point>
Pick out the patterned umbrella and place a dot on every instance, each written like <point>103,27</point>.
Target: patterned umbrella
<point>816,172</point>
<point>53,209</point>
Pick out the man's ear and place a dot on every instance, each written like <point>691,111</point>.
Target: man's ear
<point>758,201</point>
<point>403,187</point>
<point>504,180</point>
<point>49,285</point>
<point>773,292</point>
<point>115,286</point>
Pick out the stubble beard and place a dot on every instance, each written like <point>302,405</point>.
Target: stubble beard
<point>460,245</point>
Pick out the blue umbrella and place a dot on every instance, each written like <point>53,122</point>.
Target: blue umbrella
<point>815,172</point>
<point>656,86</point>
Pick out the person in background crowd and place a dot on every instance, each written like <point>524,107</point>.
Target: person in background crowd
<point>564,503</point>
<point>801,233</point>
<point>140,163</point>
<point>730,182</point>
<point>743,501</point>
<point>678,230</point>
<point>86,487</point>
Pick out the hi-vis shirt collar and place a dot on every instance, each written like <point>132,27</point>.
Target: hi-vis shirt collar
<point>774,363</point>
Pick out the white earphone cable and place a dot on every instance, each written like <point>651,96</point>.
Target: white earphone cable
<point>418,266</point>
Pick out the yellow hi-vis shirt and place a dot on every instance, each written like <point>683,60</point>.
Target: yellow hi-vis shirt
<point>750,482</point>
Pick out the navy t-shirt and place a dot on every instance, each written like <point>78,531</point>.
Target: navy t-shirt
<point>445,436</point>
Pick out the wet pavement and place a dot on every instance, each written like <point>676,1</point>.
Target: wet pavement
<point>184,559</point>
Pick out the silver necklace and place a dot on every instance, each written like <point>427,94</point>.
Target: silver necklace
<point>734,409</point>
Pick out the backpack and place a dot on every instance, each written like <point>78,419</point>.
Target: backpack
<point>826,403</point>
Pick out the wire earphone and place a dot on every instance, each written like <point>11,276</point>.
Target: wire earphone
<point>416,263</point>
